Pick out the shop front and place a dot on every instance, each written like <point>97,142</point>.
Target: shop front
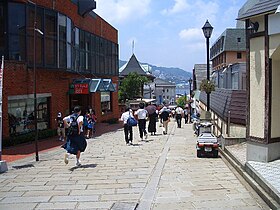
<point>92,93</point>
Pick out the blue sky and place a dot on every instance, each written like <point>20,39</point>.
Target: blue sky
<point>167,32</point>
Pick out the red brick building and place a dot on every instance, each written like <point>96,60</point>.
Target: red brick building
<point>76,62</point>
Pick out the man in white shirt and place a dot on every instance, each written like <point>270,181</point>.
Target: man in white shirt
<point>127,129</point>
<point>179,114</point>
<point>142,115</point>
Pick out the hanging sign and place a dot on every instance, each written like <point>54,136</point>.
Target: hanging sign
<point>81,88</point>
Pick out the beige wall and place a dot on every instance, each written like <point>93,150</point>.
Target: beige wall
<point>257,87</point>
<point>275,106</point>
<point>232,57</point>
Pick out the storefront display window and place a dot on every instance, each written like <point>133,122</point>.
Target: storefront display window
<point>106,102</point>
<point>21,115</point>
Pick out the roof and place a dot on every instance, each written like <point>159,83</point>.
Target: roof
<point>260,7</point>
<point>224,100</point>
<point>228,41</point>
<point>133,66</point>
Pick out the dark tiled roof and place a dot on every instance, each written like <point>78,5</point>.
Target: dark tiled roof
<point>261,7</point>
<point>231,43</point>
<point>133,66</point>
<point>224,100</point>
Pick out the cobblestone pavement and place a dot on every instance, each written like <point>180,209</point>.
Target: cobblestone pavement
<point>268,172</point>
<point>162,173</point>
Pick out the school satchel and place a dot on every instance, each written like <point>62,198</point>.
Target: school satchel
<point>131,121</point>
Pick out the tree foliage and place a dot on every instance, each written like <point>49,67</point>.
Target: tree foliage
<point>131,86</point>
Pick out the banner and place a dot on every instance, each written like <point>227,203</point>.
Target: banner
<point>1,87</point>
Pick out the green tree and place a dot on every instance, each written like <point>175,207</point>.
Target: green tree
<point>131,86</point>
<point>182,101</point>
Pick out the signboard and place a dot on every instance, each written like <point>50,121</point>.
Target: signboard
<point>81,88</point>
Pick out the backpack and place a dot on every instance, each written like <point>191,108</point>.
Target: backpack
<point>73,129</point>
<point>131,121</point>
<point>85,122</point>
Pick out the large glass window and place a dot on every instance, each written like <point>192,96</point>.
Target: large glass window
<point>69,42</point>
<point>59,45</point>
<point>87,51</point>
<point>105,102</point>
<point>76,52</point>
<point>62,40</point>
<point>16,28</point>
<point>38,36</point>
<point>50,38</point>
<point>21,115</point>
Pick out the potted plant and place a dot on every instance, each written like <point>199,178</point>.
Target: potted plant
<point>207,86</point>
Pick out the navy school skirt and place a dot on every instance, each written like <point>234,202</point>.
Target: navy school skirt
<point>75,144</point>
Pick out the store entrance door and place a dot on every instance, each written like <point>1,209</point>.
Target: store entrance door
<point>82,100</point>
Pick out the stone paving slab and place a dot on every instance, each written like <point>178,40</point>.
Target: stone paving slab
<point>164,173</point>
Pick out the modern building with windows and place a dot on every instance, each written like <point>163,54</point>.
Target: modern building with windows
<point>76,62</point>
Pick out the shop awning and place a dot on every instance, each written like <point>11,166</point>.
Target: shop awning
<point>87,85</point>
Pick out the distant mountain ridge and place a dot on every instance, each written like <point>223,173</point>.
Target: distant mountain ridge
<point>172,74</point>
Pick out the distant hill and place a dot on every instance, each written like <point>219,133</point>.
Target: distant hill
<point>171,74</point>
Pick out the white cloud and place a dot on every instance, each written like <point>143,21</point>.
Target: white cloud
<point>179,6</point>
<point>192,34</point>
<point>118,11</point>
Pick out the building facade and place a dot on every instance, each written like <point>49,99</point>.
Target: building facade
<point>228,49</point>
<point>263,86</point>
<point>75,53</point>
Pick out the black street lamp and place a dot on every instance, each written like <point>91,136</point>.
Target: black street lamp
<point>207,30</point>
<point>190,86</point>
<point>35,30</point>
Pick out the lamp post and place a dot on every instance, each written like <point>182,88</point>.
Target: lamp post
<point>190,86</point>
<point>207,31</point>
<point>35,29</point>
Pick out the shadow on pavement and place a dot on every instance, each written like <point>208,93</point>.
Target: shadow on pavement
<point>23,150</point>
<point>83,166</point>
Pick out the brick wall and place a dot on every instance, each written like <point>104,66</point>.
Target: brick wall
<point>18,80</point>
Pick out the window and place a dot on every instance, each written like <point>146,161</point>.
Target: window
<point>21,114</point>
<point>69,43</point>
<point>30,36</point>
<point>50,38</point>
<point>62,40</point>
<point>87,51</point>
<point>76,55</point>
<point>105,102</point>
<point>239,55</point>
<point>16,31</point>
<point>238,39</point>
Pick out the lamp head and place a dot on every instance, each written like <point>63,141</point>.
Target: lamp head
<point>207,29</point>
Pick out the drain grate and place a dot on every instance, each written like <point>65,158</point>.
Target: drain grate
<point>124,206</point>
<point>23,166</point>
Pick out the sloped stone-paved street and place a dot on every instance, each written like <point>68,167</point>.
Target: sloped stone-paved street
<point>162,173</point>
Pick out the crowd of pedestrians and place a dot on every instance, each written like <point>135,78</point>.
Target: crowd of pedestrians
<point>76,127</point>
<point>152,114</point>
